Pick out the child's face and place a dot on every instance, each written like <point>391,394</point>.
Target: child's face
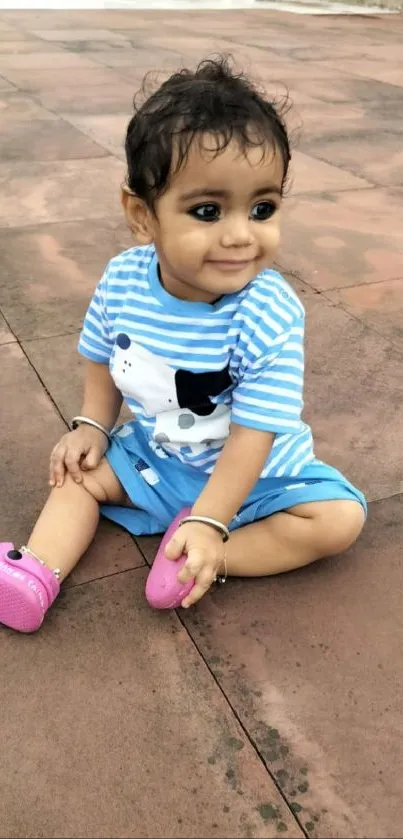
<point>218,224</point>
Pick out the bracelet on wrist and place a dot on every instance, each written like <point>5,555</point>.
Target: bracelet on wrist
<point>77,421</point>
<point>218,525</point>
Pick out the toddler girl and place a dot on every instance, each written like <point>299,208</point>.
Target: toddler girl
<point>204,341</point>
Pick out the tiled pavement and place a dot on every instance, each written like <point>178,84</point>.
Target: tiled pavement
<point>274,708</point>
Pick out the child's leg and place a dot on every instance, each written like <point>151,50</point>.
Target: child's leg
<point>294,538</point>
<point>30,577</point>
<point>69,519</point>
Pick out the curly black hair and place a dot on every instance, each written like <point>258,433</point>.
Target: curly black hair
<point>213,99</point>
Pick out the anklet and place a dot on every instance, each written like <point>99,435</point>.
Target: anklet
<point>55,571</point>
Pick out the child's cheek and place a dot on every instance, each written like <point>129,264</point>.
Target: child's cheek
<point>273,237</point>
<point>194,243</point>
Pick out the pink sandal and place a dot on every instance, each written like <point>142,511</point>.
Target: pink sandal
<point>27,589</point>
<point>163,591</point>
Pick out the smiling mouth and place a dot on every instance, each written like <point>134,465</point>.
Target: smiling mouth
<point>230,264</point>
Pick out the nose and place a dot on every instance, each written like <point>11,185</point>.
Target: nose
<point>237,232</point>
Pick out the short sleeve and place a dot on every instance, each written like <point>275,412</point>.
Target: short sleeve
<point>95,342</point>
<point>269,393</point>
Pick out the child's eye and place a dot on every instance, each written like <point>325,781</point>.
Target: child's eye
<point>263,210</point>
<point>206,212</point>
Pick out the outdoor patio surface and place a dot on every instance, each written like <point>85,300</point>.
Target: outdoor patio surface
<point>275,706</point>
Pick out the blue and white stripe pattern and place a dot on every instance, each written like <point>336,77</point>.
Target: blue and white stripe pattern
<point>257,334</point>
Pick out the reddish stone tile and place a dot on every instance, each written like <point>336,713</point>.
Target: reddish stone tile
<point>270,39</point>
<point>49,272</point>
<point>5,85</point>
<point>11,33</point>
<point>351,374</point>
<point>378,157</point>
<point>45,61</point>
<point>279,72</point>
<point>27,438</point>
<point>384,52</point>
<point>150,746</point>
<point>113,98</point>
<point>78,33</point>
<point>19,47</point>
<point>34,193</point>
<point>177,40</point>
<point>121,21</point>
<point>89,47</point>
<point>191,48</point>
<point>45,140</point>
<point>28,19</point>
<point>35,81</point>
<point>307,174</point>
<point>131,20</point>
<point>139,60</point>
<point>4,26</point>
<point>344,238</point>
<point>339,93</point>
<point>341,89</point>
<point>379,305</point>
<point>156,71</point>
<point>344,49</point>
<point>60,368</point>
<point>29,428</point>
<point>365,26</point>
<point>294,110</point>
<point>113,551</point>
<point>314,120</point>
<point>311,663</point>
<point>15,107</point>
<point>148,546</point>
<point>108,131</point>
<point>386,71</point>
<point>6,336</point>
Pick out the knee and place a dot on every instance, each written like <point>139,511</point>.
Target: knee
<point>339,525</point>
<point>91,482</point>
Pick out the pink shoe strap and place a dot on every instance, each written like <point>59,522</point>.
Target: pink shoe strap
<point>41,572</point>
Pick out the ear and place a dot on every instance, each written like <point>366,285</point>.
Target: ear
<point>138,216</point>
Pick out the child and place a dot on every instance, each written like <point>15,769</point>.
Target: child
<point>204,342</point>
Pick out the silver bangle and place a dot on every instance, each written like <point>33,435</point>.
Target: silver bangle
<point>76,421</point>
<point>218,525</point>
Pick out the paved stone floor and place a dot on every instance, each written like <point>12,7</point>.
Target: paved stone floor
<point>274,708</point>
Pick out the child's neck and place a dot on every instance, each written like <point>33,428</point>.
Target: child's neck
<point>186,300</point>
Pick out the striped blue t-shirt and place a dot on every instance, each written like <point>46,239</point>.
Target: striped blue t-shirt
<point>187,370</point>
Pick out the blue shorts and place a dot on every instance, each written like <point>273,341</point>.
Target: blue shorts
<point>160,486</point>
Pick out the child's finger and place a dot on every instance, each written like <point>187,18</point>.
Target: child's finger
<point>203,583</point>
<point>91,461</point>
<point>71,461</point>
<point>175,548</point>
<point>57,468</point>
<point>192,567</point>
<point>57,474</point>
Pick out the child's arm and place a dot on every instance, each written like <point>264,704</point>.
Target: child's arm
<point>266,401</point>
<point>85,447</point>
<point>102,400</point>
<point>235,474</point>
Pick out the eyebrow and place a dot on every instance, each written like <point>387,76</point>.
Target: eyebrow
<point>224,193</point>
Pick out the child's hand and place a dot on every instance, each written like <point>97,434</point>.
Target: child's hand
<point>77,450</point>
<point>205,553</point>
